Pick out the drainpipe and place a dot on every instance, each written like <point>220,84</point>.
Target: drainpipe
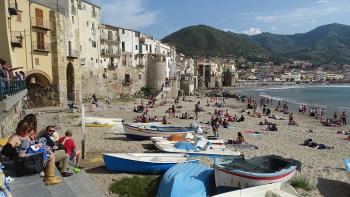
<point>31,33</point>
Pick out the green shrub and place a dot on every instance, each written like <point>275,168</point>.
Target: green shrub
<point>302,183</point>
<point>136,186</point>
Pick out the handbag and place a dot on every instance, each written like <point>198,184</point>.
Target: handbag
<point>30,165</point>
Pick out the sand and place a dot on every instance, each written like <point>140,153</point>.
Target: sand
<point>324,168</point>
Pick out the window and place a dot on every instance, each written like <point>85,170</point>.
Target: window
<point>93,44</point>
<point>135,47</point>
<point>135,57</point>
<point>150,48</point>
<point>104,59</point>
<point>105,69</point>
<point>123,46</point>
<point>39,17</point>
<point>19,18</point>
<point>146,47</point>
<point>140,76</point>
<point>37,61</point>
<point>87,23</point>
<point>40,40</point>
<point>96,60</point>
<point>92,59</point>
<point>73,19</point>
<point>123,31</point>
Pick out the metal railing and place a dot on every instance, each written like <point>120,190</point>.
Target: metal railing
<point>73,54</point>
<point>110,52</point>
<point>11,87</point>
<point>40,23</point>
<point>108,38</point>
<point>41,46</point>
<point>74,10</point>
<point>17,39</point>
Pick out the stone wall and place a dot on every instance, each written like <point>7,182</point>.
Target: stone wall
<point>9,119</point>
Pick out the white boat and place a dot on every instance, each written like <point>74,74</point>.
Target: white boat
<point>200,150</point>
<point>269,190</point>
<point>142,131</point>
<point>244,173</point>
<point>146,163</point>
<point>216,144</point>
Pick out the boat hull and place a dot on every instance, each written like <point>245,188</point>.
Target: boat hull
<point>118,163</point>
<point>190,180</point>
<point>238,179</point>
<point>138,133</point>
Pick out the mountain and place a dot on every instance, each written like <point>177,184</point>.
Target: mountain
<point>325,44</point>
<point>203,40</point>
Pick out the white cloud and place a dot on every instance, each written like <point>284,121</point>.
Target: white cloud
<point>323,9</point>
<point>231,30</point>
<point>127,13</point>
<point>253,31</point>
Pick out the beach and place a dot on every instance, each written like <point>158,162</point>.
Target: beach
<point>324,168</point>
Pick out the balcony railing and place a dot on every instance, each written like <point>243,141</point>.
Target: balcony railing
<point>110,52</point>
<point>74,54</point>
<point>13,7</point>
<point>17,39</point>
<point>110,39</point>
<point>10,88</point>
<point>41,46</point>
<point>40,23</point>
<point>127,82</point>
<point>74,10</point>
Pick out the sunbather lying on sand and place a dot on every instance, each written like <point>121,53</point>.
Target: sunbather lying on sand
<point>276,117</point>
<point>311,144</point>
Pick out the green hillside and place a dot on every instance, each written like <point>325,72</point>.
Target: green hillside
<point>325,44</point>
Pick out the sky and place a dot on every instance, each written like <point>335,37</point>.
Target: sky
<point>162,17</point>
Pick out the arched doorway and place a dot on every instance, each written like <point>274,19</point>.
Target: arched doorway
<point>40,91</point>
<point>70,82</point>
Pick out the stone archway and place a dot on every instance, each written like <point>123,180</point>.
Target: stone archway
<point>40,90</point>
<point>70,82</point>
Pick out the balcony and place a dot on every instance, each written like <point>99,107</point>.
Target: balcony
<point>40,23</point>
<point>13,7</point>
<point>127,82</point>
<point>110,52</point>
<point>74,10</point>
<point>142,40</point>
<point>73,54</point>
<point>112,66</point>
<point>41,47</point>
<point>17,40</point>
<point>82,61</point>
<point>110,39</point>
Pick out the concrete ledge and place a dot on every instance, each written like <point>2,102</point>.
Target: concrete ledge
<point>11,101</point>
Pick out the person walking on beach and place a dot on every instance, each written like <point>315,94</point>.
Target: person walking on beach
<point>173,110</point>
<point>343,118</point>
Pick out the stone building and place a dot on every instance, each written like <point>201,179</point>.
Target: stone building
<point>92,71</point>
<point>209,73</point>
<point>33,38</point>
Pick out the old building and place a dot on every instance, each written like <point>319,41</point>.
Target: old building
<point>34,35</point>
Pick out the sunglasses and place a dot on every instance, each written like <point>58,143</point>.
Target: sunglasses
<point>52,131</point>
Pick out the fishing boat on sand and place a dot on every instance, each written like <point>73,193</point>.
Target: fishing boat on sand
<point>244,173</point>
<point>269,190</point>
<point>173,139</point>
<point>200,149</point>
<point>187,179</point>
<point>143,131</point>
<point>145,163</point>
<point>347,166</point>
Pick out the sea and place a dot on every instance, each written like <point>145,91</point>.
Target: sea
<point>331,97</point>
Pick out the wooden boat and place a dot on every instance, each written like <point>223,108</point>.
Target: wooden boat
<point>187,179</point>
<point>145,163</point>
<point>143,131</point>
<point>269,190</point>
<point>347,166</point>
<point>173,139</point>
<point>244,173</point>
<point>192,150</point>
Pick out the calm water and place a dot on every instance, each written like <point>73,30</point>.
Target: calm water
<point>331,97</point>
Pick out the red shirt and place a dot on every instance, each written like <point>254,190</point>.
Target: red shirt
<point>69,145</point>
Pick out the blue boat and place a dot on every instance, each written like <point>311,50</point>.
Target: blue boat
<point>187,179</point>
<point>347,166</point>
<point>144,163</point>
<point>144,131</point>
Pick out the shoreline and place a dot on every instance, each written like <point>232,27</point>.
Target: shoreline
<point>323,168</point>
